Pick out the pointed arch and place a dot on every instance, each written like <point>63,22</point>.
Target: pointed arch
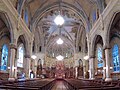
<point>114,17</point>
<point>9,24</point>
<point>22,39</point>
<point>96,40</point>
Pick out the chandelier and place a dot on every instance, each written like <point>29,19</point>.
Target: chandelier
<point>59,41</point>
<point>59,20</point>
<point>59,57</point>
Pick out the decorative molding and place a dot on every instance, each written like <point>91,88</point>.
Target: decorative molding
<point>106,47</point>
<point>13,46</point>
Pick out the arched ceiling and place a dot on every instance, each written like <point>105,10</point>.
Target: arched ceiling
<point>86,5</point>
<point>67,32</point>
<point>76,13</point>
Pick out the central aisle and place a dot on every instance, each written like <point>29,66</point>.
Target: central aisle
<point>59,85</point>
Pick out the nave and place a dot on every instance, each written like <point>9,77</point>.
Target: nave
<point>59,84</point>
<point>77,41</point>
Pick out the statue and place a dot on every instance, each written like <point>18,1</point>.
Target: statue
<point>39,68</point>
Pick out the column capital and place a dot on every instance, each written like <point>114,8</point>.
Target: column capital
<point>92,56</point>
<point>27,56</point>
<point>13,46</point>
<point>106,47</point>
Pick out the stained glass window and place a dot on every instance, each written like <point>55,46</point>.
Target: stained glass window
<point>4,58</point>
<point>115,55</point>
<point>26,16</point>
<point>94,16</point>
<point>20,56</point>
<point>99,56</point>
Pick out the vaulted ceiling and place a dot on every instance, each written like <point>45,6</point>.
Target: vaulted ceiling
<point>77,15</point>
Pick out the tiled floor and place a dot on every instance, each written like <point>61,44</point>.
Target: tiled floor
<point>59,86</point>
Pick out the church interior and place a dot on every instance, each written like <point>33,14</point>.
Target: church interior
<point>59,44</point>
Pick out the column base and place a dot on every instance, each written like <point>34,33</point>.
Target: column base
<point>11,79</point>
<point>108,79</point>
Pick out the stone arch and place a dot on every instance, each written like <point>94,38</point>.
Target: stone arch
<point>23,39</point>
<point>7,34</point>
<point>96,39</point>
<point>114,39</point>
<point>113,23</point>
<point>9,24</point>
<point>97,44</point>
<point>109,22</point>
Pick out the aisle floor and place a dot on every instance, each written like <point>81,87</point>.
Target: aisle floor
<point>59,86</point>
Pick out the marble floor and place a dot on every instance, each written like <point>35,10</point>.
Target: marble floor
<point>59,86</point>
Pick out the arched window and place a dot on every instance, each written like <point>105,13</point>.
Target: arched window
<point>115,57</point>
<point>26,16</point>
<point>20,56</point>
<point>94,16</point>
<point>99,56</point>
<point>4,58</point>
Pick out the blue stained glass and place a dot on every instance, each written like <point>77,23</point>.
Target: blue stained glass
<point>115,55</point>
<point>99,56</point>
<point>94,16</point>
<point>4,58</point>
<point>26,16</point>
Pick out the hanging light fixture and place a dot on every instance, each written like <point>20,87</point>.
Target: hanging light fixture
<point>59,41</point>
<point>33,56</point>
<point>59,20</point>
<point>60,58</point>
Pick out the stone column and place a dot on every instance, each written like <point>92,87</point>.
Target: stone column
<point>107,57</point>
<point>27,66</point>
<point>35,70</point>
<point>12,61</point>
<point>76,72</point>
<point>104,73</point>
<point>15,68</point>
<point>91,68</point>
